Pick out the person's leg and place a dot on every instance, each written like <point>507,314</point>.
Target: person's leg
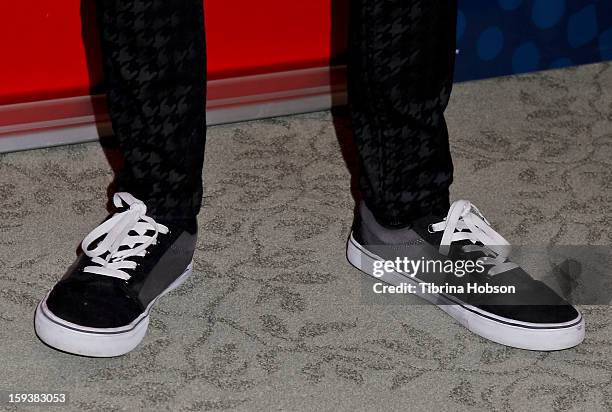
<point>154,61</point>
<point>154,58</point>
<point>400,77</point>
<point>401,62</point>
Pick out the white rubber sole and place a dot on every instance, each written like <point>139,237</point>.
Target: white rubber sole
<point>96,342</point>
<point>523,335</point>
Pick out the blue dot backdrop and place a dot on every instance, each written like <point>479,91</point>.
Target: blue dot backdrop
<point>501,37</point>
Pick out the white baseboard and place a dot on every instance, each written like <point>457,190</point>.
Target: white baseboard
<point>74,120</point>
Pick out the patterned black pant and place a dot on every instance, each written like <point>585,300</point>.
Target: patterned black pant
<point>401,59</point>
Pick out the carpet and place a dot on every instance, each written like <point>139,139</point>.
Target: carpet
<point>273,317</point>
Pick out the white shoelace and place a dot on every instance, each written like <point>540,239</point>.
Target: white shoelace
<point>465,222</point>
<point>115,234</point>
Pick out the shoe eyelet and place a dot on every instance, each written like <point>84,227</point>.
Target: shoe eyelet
<point>430,228</point>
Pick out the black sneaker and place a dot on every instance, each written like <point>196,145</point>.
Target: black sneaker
<point>529,316</point>
<point>101,306</point>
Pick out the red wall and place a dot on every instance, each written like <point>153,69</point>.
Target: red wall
<point>43,53</point>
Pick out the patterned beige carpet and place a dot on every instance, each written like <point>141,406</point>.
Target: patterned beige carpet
<point>274,318</point>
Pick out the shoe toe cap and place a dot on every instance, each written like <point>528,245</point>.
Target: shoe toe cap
<point>97,304</point>
<point>537,314</point>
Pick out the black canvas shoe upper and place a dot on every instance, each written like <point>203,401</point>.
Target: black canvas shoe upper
<point>127,262</point>
<point>430,238</point>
